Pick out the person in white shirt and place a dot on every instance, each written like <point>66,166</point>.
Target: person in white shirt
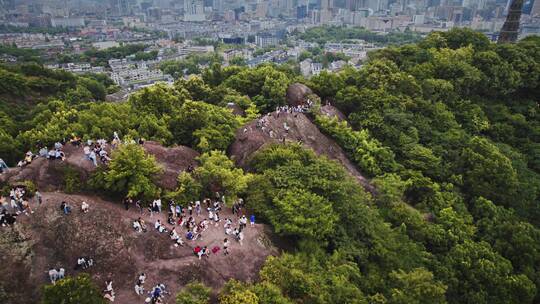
<point>142,277</point>
<point>158,204</point>
<point>139,289</point>
<point>137,226</point>
<point>86,150</point>
<point>225,246</point>
<point>85,207</point>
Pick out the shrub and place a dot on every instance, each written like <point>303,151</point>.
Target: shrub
<point>73,290</point>
<point>194,293</point>
<point>131,172</point>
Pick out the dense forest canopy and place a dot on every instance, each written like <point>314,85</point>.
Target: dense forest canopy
<point>448,130</point>
<point>323,34</point>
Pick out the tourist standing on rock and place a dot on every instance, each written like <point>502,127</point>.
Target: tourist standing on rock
<point>93,158</point>
<point>127,202</point>
<point>39,198</point>
<point>53,275</point>
<point>225,246</point>
<point>198,208</point>
<point>3,166</point>
<point>139,290</point>
<point>190,208</point>
<point>242,222</point>
<point>252,220</point>
<point>86,151</point>
<point>153,208</point>
<point>85,207</point>
<point>172,208</point>
<point>109,291</point>
<point>158,204</point>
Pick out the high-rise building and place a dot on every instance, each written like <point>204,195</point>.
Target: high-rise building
<point>120,7</point>
<point>194,10</point>
<point>327,4</point>
<point>535,10</point>
<point>354,5</point>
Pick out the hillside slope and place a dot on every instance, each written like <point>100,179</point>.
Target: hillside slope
<point>48,238</point>
<point>251,138</point>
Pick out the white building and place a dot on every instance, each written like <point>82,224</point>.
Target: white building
<point>77,68</point>
<point>264,40</point>
<point>195,49</point>
<point>105,44</point>
<point>194,11</point>
<point>67,22</point>
<point>309,68</point>
<point>127,73</point>
<point>419,19</point>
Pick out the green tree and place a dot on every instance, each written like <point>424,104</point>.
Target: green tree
<point>265,84</point>
<point>203,126</point>
<point>416,287</point>
<point>238,60</point>
<point>235,292</point>
<point>476,274</point>
<point>488,173</point>
<point>327,84</point>
<point>194,293</point>
<point>189,189</point>
<point>158,99</point>
<point>131,172</point>
<point>73,290</point>
<point>303,214</point>
<point>269,293</point>
<point>217,173</point>
<point>371,157</point>
<point>97,89</point>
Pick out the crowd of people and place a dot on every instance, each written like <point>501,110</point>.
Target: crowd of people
<point>192,220</point>
<point>84,263</point>
<point>92,150</point>
<point>56,274</point>
<point>302,108</point>
<point>17,204</point>
<point>263,122</point>
<point>55,153</point>
<point>155,295</point>
<point>184,223</point>
<point>190,223</point>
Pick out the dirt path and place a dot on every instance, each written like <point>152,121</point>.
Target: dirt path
<point>105,233</point>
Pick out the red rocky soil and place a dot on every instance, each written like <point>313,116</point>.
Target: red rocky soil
<point>45,173</point>
<point>48,238</point>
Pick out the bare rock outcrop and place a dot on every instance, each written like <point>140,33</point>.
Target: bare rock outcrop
<point>173,160</point>
<point>332,111</point>
<point>48,238</point>
<point>297,94</point>
<point>48,174</point>
<point>250,139</point>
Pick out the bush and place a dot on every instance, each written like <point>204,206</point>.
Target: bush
<point>188,189</point>
<point>73,290</point>
<point>217,173</point>
<point>236,292</point>
<point>30,188</point>
<point>131,172</point>
<point>368,153</point>
<point>72,180</point>
<point>194,293</point>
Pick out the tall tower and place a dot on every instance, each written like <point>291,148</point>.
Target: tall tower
<point>509,31</point>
